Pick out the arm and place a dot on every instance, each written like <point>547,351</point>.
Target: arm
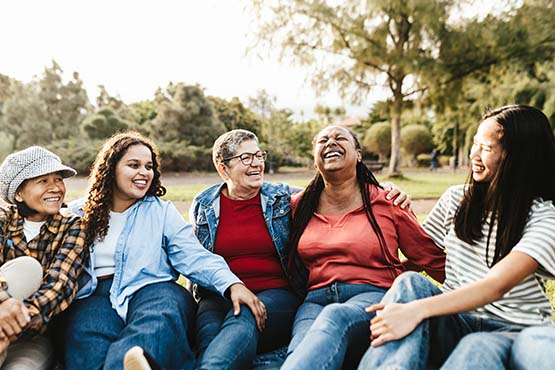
<point>192,260</point>
<point>395,320</point>
<point>419,249</point>
<point>59,285</point>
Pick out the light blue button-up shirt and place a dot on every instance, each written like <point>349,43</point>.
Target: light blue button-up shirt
<point>156,245</point>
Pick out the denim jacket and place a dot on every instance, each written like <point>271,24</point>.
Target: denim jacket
<point>156,245</point>
<point>276,209</point>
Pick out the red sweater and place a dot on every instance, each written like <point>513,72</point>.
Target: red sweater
<point>244,242</point>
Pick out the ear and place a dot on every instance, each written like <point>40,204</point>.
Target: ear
<point>359,155</point>
<point>222,171</point>
<point>18,197</point>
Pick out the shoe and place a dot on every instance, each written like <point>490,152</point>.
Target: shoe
<point>135,359</point>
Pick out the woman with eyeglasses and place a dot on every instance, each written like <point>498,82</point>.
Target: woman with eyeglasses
<point>246,221</point>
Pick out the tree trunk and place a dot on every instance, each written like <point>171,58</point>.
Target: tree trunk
<point>395,160</point>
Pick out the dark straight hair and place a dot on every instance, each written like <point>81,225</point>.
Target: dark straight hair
<point>526,172</point>
<point>311,197</point>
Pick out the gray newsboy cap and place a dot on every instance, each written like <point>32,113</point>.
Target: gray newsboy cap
<point>26,164</point>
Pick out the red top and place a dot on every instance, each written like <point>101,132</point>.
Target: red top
<point>345,248</point>
<point>244,242</point>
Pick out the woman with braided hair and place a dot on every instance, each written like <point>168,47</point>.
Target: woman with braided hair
<point>346,237</point>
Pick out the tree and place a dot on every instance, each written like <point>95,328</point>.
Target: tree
<point>329,115</point>
<point>233,114</point>
<point>67,104</point>
<point>103,124</point>
<point>187,118</point>
<point>364,41</point>
<point>377,139</point>
<point>416,140</point>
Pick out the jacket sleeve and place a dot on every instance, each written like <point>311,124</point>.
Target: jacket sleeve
<point>59,285</point>
<point>191,259</point>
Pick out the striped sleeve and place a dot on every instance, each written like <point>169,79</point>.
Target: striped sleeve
<point>440,218</point>
<point>538,238</point>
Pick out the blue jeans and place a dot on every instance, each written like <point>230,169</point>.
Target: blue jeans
<point>330,323</point>
<point>534,348</point>
<point>231,342</point>
<point>441,338</point>
<point>157,320</point>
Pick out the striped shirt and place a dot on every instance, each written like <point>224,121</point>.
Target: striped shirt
<point>525,304</point>
<point>59,248</point>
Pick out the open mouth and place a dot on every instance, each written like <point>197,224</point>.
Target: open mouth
<point>140,182</point>
<point>254,173</point>
<point>53,199</point>
<point>332,154</point>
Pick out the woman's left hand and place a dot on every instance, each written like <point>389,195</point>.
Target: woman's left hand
<point>393,321</point>
<point>240,294</point>
<point>399,196</point>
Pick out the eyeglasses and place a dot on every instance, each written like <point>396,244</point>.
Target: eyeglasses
<point>248,158</point>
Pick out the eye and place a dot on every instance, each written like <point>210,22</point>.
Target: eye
<point>149,167</point>
<point>133,165</point>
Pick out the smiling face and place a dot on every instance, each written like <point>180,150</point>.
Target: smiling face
<point>487,151</point>
<point>134,174</point>
<point>335,149</point>
<point>243,179</point>
<point>43,194</point>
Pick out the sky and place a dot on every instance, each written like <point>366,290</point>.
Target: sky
<point>133,47</point>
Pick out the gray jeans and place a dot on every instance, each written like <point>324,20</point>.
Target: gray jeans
<point>24,276</point>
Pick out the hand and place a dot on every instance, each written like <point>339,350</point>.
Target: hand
<point>239,294</point>
<point>4,343</point>
<point>398,196</point>
<point>14,316</point>
<point>393,321</point>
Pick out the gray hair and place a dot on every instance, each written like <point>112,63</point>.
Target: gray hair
<point>226,145</point>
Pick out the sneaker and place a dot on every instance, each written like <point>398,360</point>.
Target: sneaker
<point>137,359</point>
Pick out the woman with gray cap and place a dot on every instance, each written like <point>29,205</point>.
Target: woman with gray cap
<point>41,255</point>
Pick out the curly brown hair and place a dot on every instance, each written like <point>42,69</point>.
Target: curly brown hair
<point>103,179</point>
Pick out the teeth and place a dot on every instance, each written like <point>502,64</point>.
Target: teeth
<point>253,173</point>
<point>332,154</point>
<point>56,199</point>
<point>140,182</point>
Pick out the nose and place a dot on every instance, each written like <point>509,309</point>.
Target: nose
<point>474,151</point>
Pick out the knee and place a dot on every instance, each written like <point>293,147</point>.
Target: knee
<point>469,343</point>
<point>23,276</point>
<point>531,342</point>
<point>409,286</point>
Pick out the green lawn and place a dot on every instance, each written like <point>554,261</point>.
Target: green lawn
<point>418,185</point>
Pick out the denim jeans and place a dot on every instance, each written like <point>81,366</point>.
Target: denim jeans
<point>330,323</point>
<point>158,317</point>
<point>534,348</point>
<point>231,342</point>
<point>441,338</point>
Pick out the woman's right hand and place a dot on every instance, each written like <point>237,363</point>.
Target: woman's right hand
<point>239,294</point>
<point>393,321</point>
<point>14,316</point>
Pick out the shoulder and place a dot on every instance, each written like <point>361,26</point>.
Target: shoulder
<point>542,211</point>
<point>208,195</point>
<point>453,195</point>
<point>276,189</point>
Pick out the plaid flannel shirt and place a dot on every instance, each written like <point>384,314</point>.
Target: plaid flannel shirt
<point>59,248</point>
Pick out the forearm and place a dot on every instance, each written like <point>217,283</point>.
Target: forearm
<point>502,277</point>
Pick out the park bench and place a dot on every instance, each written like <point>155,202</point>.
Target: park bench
<point>375,166</point>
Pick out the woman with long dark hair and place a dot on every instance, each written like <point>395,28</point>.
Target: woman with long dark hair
<point>347,237</point>
<point>499,231</point>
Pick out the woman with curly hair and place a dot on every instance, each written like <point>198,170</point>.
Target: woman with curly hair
<point>139,246</point>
